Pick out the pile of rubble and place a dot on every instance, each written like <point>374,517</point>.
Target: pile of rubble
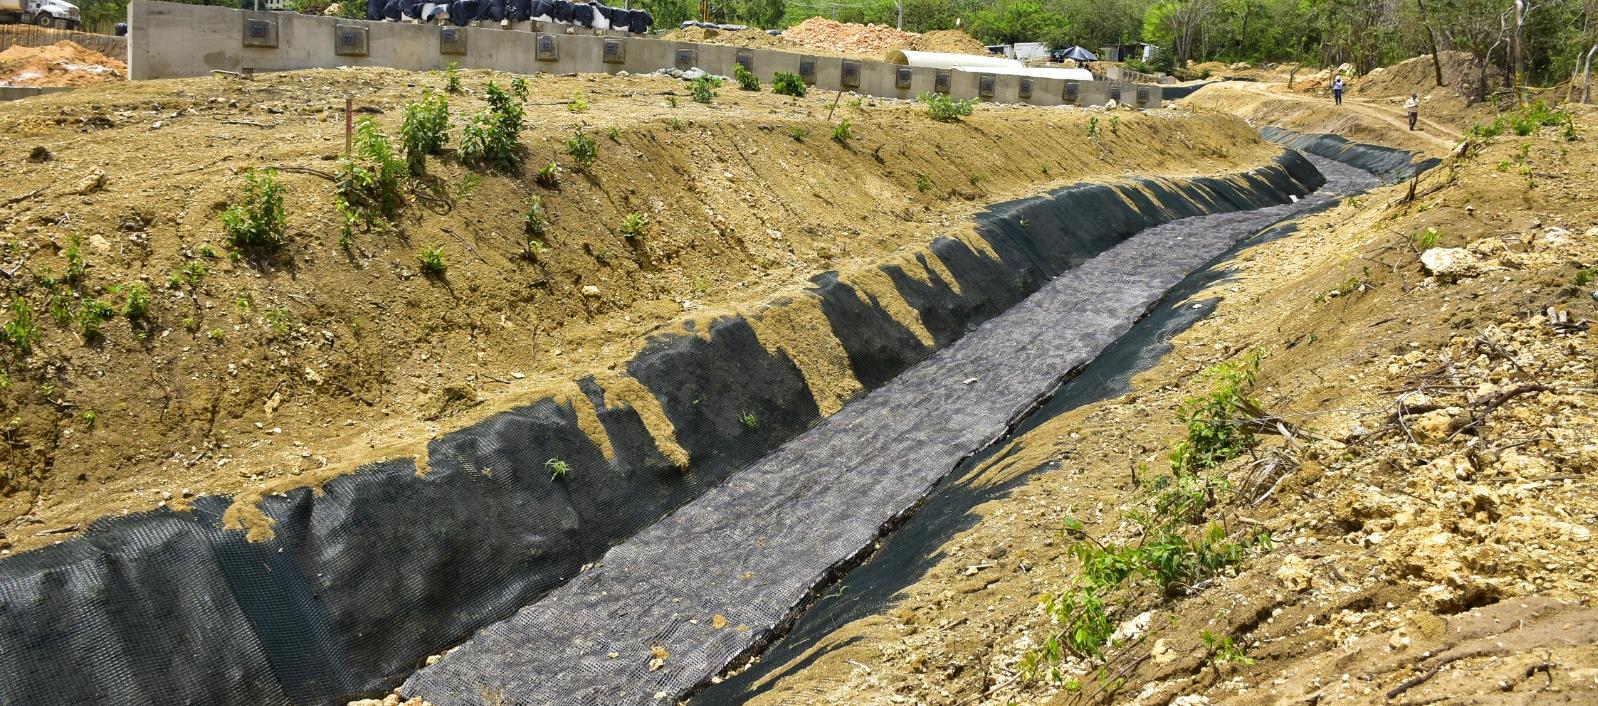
<point>847,38</point>
<point>61,64</point>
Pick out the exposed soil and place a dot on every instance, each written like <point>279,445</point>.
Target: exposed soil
<point>1433,515</point>
<point>1379,121</point>
<point>259,373</point>
<point>824,36</point>
<point>61,64</point>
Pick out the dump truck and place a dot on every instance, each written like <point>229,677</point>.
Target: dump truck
<point>44,13</point>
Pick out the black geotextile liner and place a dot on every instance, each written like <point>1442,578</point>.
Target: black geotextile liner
<point>1389,163</point>
<point>913,548</point>
<point>709,582</point>
<point>1171,93</point>
<point>380,568</point>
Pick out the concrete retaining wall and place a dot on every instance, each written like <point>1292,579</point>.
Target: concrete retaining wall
<point>11,93</point>
<point>171,40</point>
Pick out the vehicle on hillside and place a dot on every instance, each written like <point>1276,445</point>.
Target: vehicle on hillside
<point>44,13</point>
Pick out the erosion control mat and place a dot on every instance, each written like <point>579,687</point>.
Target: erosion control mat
<point>350,587</point>
<point>684,598</point>
<point>1392,165</point>
<point>912,550</point>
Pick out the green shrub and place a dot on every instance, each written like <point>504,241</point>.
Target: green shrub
<point>20,331</point>
<point>425,130</point>
<point>1584,276</point>
<point>923,183</point>
<point>1426,239</point>
<point>91,315</point>
<point>704,89</point>
<point>1093,126</point>
<point>614,134</point>
<point>452,77</point>
<point>788,83</point>
<point>942,109</point>
<point>582,150</point>
<point>432,260</point>
<point>842,133</point>
<point>257,220</point>
<point>632,227</point>
<point>1214,432</point>
<point>1535,116</point>
<point>746,78</point>
<point>370,182</point>
<point>490,137</point>
<point>518,86</point>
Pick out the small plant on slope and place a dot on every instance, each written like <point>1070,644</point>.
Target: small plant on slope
<point>557,468</point>
<point>632,227</point>
<point>943,109</point>
<point>431,259</point>
<point>548,176</point>
<point>452,77</point>
<point>704,89</point>
<point>843,132</point>
<point>257,220</point>
<point>582,150</point>
<point>371,181</point>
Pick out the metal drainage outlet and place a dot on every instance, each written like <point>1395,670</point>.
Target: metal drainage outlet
<point>807,70</point>
<point>1070,91</point>
<point>746,60</point>
<point>1142,95</point>
<point>349,40</point>
<point>686,58</point>
<point>1026,88</point>
<point>850,76</point>
<point>615,51</point>
<point>902,76</point>
<point>985,84</point>
<point>545,49</point>
<point>1115,92</point>
<point>260,33</point>
<point>451,40</point>
<point>942,82</point>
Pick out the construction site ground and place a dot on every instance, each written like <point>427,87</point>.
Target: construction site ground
<point>1432,503</point>
<point>256,374</point>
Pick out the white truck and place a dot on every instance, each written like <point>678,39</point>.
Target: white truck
<point>44,13</point>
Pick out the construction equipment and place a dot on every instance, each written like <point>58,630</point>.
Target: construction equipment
<point>44,13</point>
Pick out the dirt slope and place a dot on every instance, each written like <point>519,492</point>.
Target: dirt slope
<point>1376,121</point>
<point>259,374</point>
<point>1433,512</point>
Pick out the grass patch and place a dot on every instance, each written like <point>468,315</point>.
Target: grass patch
<point>944,109</point>
<point>431,258</point>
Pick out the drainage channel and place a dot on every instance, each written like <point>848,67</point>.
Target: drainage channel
<point>907,554</point>
<point>722,576</point>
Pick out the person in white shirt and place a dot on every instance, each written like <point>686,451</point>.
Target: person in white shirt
<point>1413,106</point>
<point>1337,90</point>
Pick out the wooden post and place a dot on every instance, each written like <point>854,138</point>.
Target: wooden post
<point>349,122</point>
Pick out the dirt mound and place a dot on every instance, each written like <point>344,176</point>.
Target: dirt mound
<point>1417,75</point>
<point>848,38</point>
<point>953,41</point>
<point>61,64</point>
<point>752,38</point>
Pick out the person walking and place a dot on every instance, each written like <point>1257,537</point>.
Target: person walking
<point>1337,90</point>
<point>1413,107</point>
